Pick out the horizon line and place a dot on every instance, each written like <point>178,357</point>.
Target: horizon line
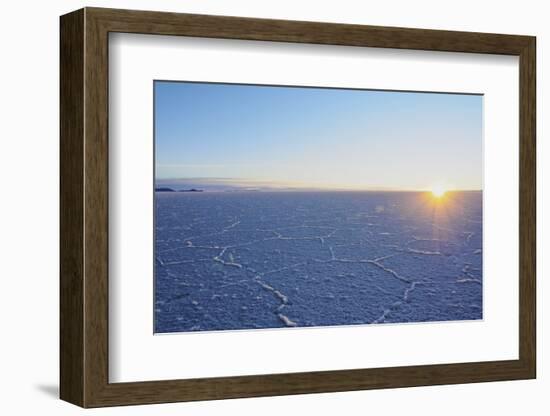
<point>255,185</point>
<point>325,190</point>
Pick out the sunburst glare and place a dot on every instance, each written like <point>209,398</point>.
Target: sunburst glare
<point>438,191</point>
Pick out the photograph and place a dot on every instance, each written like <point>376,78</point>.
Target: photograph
<point>298,206</point>
<point>269,204</point>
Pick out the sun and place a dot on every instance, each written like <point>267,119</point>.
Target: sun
<point>438,191</point>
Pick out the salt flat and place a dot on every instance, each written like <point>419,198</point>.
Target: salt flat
<point>245,260</point>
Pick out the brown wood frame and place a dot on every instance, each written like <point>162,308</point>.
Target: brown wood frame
<point>84,207</point>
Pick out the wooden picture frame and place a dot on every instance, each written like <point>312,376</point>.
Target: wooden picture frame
<point>84,207</point>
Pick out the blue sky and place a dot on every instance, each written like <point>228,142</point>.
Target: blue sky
<point>250,135</point>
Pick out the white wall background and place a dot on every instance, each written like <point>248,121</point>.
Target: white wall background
<point>29,207</point>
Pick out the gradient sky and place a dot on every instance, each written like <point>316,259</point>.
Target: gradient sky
<point>314,137</point>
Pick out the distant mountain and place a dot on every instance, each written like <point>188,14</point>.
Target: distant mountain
<point>166,189</point>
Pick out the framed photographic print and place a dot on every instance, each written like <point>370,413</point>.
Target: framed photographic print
<point>255,207</point>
